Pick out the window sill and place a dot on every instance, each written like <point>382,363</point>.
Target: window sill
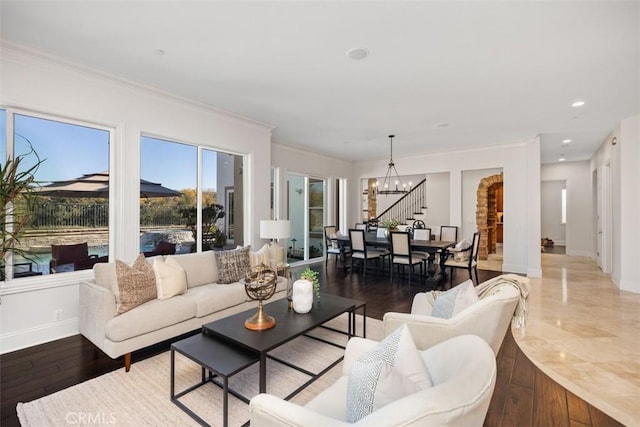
<point>36,283</point>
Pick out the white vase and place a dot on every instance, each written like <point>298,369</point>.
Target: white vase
<point>302,296</point>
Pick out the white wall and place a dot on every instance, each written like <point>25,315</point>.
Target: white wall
<point>438,201</point>
<point>551,204</point>
<point>288,159</point>
<point>34,83</point>
<point>624,160</point>
<point>520,163</point>
<point>629,143</point>
<point>579,228</point>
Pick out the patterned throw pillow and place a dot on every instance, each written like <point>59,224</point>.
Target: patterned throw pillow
<point>452,302</point>
<point>136,284</point>
<point>232,265</point>
<point>391,370</point>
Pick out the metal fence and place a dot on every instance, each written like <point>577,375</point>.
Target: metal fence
<point>84,215</point>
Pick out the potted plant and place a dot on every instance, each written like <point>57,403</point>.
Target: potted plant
<point>303,290</point>
<point>17,183</point>
<point>389,225</point>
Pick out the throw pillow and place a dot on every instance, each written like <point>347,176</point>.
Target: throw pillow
<point>232,264</point>
<point>171,279</point>
<point>260,257</point>
<point>452,302</point>
<point>136,284</point>
<point>391,370</point>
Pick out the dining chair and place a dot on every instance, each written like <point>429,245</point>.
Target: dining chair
<point>422,234</point>
<point>402,255</point>
<point>360,251</point>
<point>418,223</point>
<point>361,226</point>
<point>469,263</point>
<point>449,233</point>
<point>331,247</point>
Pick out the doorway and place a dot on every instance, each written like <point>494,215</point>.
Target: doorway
<point>306,201</point>
<point>490,214</point>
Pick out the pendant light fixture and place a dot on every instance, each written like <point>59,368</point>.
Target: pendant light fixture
<point>392,183</point>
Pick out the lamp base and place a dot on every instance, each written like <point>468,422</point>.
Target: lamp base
<point>260,321</point>
<point>276,254</point>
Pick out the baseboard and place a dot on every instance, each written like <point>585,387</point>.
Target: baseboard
<point>39,335</point>
<point>574,252</point>
<point>534,272</point>
<point>513,268</point>
<point>629,286</point>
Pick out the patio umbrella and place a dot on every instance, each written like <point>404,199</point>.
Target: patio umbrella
<point>97,185</point>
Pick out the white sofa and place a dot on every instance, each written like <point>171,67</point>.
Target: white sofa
<point>463,371</point>
<point>489,318</point>
<point>159,320</point>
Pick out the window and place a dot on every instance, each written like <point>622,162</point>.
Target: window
<point>564,205</point>
<point>171,220</point>
<point>72,205</point>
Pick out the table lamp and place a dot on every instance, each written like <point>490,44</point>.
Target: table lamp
<point>274,230</point>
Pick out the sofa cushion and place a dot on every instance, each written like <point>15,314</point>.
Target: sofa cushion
<point>105,276</point>
<point>389,371</point>
<point>212,298</point>
<point>171,280</point>
<point>261,256</point>
<point>200,267</point>
<point>452,302</point>
<point>232,264</point>
<point>150,316</point>
<point>136,284</point>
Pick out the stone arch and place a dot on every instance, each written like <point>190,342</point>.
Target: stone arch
<point>486,214</point>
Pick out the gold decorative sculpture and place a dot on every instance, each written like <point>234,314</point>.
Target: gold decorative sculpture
<point>260,284</point>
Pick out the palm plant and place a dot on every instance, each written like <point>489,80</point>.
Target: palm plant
<point>17,201</point>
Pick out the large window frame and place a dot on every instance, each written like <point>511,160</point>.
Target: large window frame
<point>46,280</point>
<point>221,191</point>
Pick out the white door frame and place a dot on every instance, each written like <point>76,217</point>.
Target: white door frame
<point>603,220</point>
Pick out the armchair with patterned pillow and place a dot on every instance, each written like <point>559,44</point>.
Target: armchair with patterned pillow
<point>462,374</point>
<point>486,311</point>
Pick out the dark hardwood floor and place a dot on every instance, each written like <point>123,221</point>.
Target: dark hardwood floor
<point>523,396</point>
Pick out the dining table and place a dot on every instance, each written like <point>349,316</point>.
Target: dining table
<point>436,274</point>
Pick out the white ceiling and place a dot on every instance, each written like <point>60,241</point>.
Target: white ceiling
<point>441,76</point>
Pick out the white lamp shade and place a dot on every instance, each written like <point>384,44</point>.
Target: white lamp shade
<point>275,229</point>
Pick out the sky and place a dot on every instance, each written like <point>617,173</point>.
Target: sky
<point>71,151</point>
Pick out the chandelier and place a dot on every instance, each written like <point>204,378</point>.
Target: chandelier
<point>392,183</point>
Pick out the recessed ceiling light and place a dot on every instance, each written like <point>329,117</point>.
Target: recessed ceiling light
<point>578,104</point>
<point>566,141</point>
<point>443,125</point>
<point>357,53</point>
<point>561,159</point>
<point>159,52</point>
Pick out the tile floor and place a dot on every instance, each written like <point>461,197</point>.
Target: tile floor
<point>584,333</point>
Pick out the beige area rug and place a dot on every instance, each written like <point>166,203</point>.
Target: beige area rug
<point>141,397</point>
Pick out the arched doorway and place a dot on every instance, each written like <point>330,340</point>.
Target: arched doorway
<point>488,208</point>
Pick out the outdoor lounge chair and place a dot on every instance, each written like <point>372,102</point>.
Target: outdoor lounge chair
<point>72,258</point>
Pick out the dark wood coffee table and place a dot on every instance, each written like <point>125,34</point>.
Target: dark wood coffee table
<point>289,325</point>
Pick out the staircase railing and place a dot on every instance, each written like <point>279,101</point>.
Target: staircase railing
<point>408,205</point>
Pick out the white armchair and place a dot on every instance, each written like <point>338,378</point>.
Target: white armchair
<point>489,318</point>
<point>463,371</point>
